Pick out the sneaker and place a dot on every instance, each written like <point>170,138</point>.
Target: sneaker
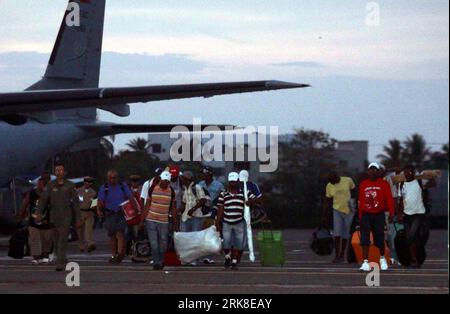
<point>44,261</point>
<point>208,261</point>
<point>35,262</point>
<point>383,264</point>
<point>365,266</point>
<point>227,262</point>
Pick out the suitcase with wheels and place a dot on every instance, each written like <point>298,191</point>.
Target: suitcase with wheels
<point>322,242</point>
<point>271,247</point>
<point>374,252</point>
<point>18,244</point>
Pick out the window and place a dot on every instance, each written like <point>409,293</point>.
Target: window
<point>156,148</point>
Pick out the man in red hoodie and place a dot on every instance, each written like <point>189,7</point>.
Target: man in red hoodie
<point>375,198</point>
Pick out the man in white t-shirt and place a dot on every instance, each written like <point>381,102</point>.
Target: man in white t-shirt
<point>412,211</point>
<point>193,199</point>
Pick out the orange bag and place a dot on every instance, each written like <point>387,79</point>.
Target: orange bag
<point>374,252</point>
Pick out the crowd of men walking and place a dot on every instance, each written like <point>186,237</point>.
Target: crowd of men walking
<point>171,201</point>
<point>381,205</point>
<point>174,201</point>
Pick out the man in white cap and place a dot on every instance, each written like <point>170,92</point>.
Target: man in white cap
<point>375,198</point>
<point>160,202</point>
<point>230,219</point>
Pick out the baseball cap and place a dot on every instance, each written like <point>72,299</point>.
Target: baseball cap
<point>374,164</point>
<point>233,177</point>
<point>165,175</point>
<point>174,171</point>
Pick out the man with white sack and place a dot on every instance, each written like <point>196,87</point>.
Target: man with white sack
<point>194,200</point>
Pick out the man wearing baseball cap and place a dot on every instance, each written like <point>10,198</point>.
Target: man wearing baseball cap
<point>230,220</point>
<point>176,184</point>
<point>161,201</point>
<point>375,198</point>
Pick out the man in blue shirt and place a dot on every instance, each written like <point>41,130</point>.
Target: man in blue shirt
<point>213,186</point>
<point>110,198</point>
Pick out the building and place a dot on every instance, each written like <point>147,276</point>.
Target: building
<point>351,156</point>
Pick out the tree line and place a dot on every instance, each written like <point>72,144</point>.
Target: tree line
<point>294,192</point>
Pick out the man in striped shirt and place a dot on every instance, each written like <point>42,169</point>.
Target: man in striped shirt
<point>230,219</point>
<point>161,201</point>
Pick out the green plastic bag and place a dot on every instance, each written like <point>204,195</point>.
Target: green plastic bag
<point>271,248</point>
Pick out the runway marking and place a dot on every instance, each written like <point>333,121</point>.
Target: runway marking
<point>123,270</point>
<point>265,286</point>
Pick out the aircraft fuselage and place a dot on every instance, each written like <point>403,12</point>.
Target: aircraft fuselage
<point>25,147</point>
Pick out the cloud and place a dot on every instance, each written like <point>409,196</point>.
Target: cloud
<point>304,64</point>
<point>18,70</point>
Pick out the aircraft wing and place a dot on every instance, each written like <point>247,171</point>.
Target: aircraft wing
<point>49,100</point>
<point>105,129</point>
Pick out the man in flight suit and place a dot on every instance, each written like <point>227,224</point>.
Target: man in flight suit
<point>62,198</point>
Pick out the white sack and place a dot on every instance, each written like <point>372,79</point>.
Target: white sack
<point>191,246</point>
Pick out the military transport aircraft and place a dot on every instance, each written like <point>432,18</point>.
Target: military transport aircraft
<point>60,110</point>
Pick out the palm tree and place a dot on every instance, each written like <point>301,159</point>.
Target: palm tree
<point>439,160</point>
<point>416,150</point>
<point>393,154</point>
<point>445,149</point>
<point>139,145</point>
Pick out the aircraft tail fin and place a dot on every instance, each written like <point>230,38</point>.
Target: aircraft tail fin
<point>76,57</point>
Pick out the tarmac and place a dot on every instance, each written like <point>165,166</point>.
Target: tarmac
<point>303,273</point>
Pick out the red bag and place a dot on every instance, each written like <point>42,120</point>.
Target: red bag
<point>171,259</point>
<point>131,216</point>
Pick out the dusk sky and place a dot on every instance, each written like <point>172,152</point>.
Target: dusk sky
<point>369,82</point>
